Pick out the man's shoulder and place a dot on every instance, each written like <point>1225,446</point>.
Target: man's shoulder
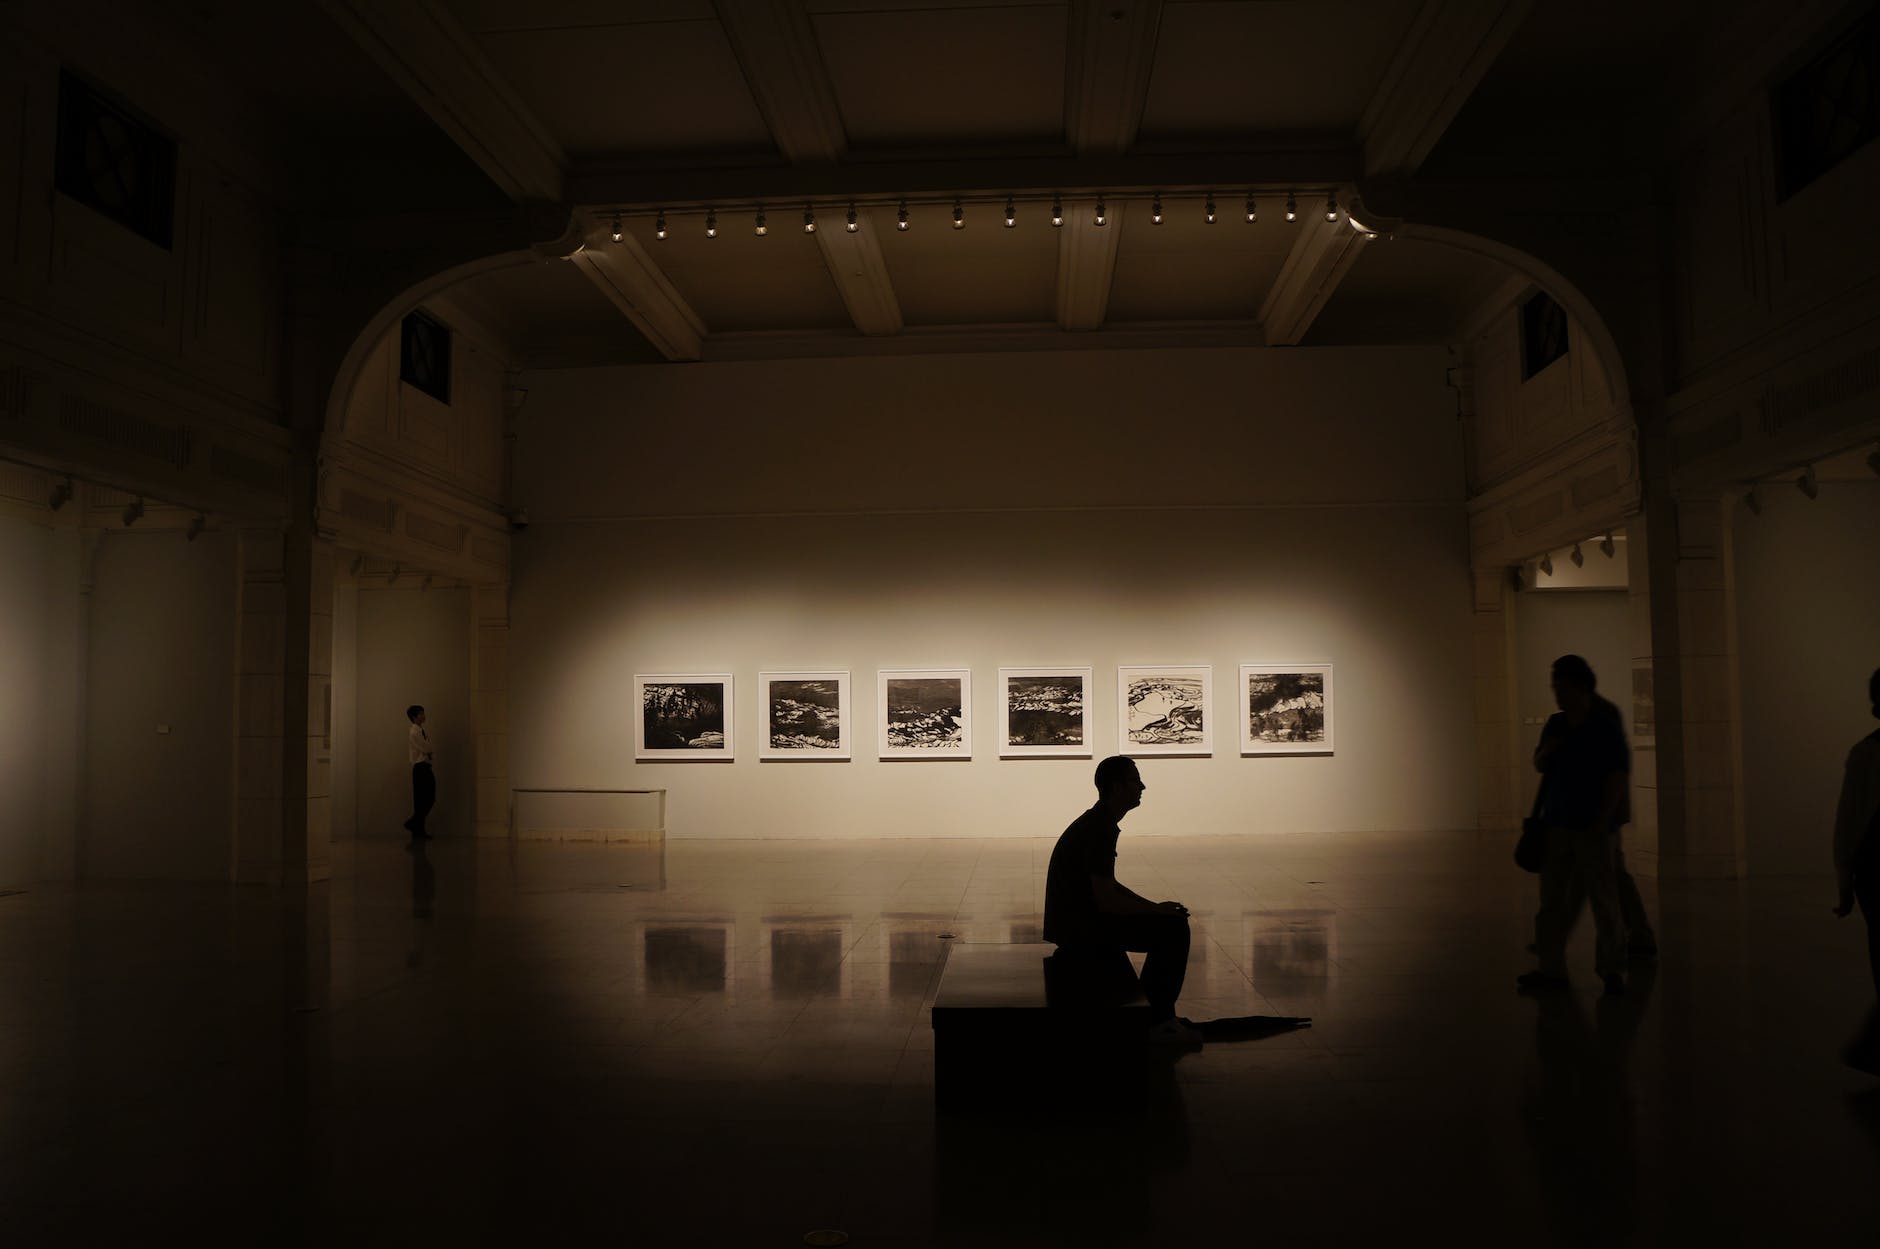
<point>1094,820</point>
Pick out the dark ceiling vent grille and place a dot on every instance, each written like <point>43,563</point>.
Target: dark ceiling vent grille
<point>424,355</point>
<point>1543,333</point>
<point>168,443</point>
<point>1829,108</point>
<point>113,162</point>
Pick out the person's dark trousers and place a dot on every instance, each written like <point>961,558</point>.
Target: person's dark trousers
<point>1164,938</point>
<point>423,797</point>
<point>1867,893</point>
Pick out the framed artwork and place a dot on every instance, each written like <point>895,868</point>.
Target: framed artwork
<point>683,717</point>
<point>1044,712</point>
<point>1165,710</point>
<point>926,713</point>
<point>803,715</point>
<point>1285,709</point>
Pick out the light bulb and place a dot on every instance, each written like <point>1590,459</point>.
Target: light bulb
<point>1011,214</point>
<point>761,229</point>
<point>1331,206</point>
<point>959,216</point>
<point>1210,210</point>
<point>854,223</point>
<point>900,218</point>
<point>1057,211</point>
<point>711,225</point>
<point>1547,565</point>
<point>1577,556</point>
<point>616,227</point>
<point>1292,207</point>
<point>1101,216</point>
<point>1155,211</point>
<point>659,225</point>
<point>1253,213</point>
<point>809,220</point>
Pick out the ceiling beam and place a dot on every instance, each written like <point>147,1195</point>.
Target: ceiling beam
<point>1320,257</point>
<point>435,61</point>
<point>1086,264</point>
<point>634,284</point>
<point>1448,49</point>
<point>777,50</point>
<point>1112,50</point>
<point>776,46</point>
<point>992,177</point>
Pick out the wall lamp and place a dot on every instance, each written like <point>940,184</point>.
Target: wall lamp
<point>133,511</point>
<point>1808,483</point>
<point>195,527</point>
<point>61,495</point>
<point>1547,564</point>
<point>1606,546</point>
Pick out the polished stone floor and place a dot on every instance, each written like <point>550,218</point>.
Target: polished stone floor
<point>727,1044</point>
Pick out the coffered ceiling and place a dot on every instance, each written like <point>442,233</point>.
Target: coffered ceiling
<point>675,110</point>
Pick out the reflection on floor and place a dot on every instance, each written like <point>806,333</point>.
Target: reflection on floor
<point>726,1044</point>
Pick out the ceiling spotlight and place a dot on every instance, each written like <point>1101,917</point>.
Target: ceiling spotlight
<point>358,565</point>
<point>659,225</point>
<point>1577,556</point>
<point>1155,210</point>
<point>133,511</point>
<point>194,530</point>
<point>1547,564</point>
<point>1253,213</point>
<point>1606,546</point>
<point>1331,206</point>
<point>1011,213</point>
<point>1210,208</point>
<point>61,495</point>
<point>761,229</point>
<point>1292,207</point>
<point>1101,215</point>
<point>1516,580</point>
<point>959,216</point>
<point>852,223</point>
<point>1753,502</point>
<point>1873,462</point>
<point>809,219</point>
<point>1057,211</point>
<point>398,570</point>
<point>900,218</point>
<point>425,584</point>
<point>711,225</point>
<point>1807,482</point>
<point>616,227</point>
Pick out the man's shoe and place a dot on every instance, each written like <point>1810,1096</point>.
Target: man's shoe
<point>1177,1031</point>
<point>1614,982</point>
<point>1537,980</point>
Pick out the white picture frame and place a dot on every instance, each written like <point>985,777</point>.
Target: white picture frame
<point>1044,713</point>
<point>794,717</point>
<point>674,721</point>
<point>1165,709</point>
<point>1277,709</point>
<point>924,713</point>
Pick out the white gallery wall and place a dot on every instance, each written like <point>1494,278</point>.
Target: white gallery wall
<point>412,646</point>
<point>1081,508</point>
<point>39,660</point>
<point>1808,612</point>
<point>159,788</point>
<point>345,709</point>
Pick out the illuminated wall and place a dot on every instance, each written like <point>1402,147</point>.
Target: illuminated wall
<point>1097,508</point>
<point>38,717</point>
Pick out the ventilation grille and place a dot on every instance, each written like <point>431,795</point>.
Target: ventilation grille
<point>436,533</point>
<point>167,443</point>
<point>1788,404</point>
<point>379,513</point>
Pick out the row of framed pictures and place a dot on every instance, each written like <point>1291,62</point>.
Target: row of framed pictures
<point>927,713</point>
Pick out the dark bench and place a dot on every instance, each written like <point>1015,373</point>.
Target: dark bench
<point>1028,1026</point>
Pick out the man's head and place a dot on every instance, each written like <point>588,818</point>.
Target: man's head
<point>415,714</point>
<point>1119,784</point>
<point>1574,684</point>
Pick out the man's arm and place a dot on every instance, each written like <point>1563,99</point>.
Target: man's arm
<point>1549,743</point>
<point>1114,898</point>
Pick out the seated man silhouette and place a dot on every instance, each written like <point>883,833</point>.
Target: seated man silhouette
<point>1093,919</point>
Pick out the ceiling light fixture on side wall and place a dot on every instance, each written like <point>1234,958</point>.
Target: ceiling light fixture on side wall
<point>853,221</point>
<point>1808,483</point>
<point>1873,462</point>
<point>809,219</point>
<point>761,229</point>
<point>1155,210</point>
<point>195,527</point>
<point>1577,556</point>
<point>1292,206</point>
<point>61,495</point>
<point>1011,213</point>
<point>959,216</point>
<point>659,226</point>
<point>900,218</point>
<point>1253,210</point>
<point>711,225</point>
<point>1057,211</point>
<point>616,229</point>
<point>133,511</point>
<point>1101,216</point>
<point>1547,564</point>
<point>1606,545</point>
<point>1753,502</point>
<point>1331,208</point>
<point>1210,208</point>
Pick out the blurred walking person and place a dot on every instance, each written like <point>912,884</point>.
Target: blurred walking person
<point>1857,867</point>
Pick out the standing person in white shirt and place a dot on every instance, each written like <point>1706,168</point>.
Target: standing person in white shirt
<point>423,779</point>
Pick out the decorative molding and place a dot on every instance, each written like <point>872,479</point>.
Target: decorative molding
<point>1592,485</point>
<point>1439,62</point>
<point>1321,255</point>
<point>1106,81</point>
<point>1086,264</point>
<point>374,508</point>
<point>436,533</point>
<point>168,444</point>
<point>975,339</point>
<point>782,63</point>
<point>861,277</point>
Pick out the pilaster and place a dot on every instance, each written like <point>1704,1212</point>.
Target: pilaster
<point>1498,757</point>
<point>489,706</point>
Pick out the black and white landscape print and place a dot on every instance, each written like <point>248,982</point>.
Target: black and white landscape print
<point>684,717</point>
<point>1165,711</point>
<point>805,715</point>
<point>1044,711</point>
<point>925,714</point>
<point>1286,710</point>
